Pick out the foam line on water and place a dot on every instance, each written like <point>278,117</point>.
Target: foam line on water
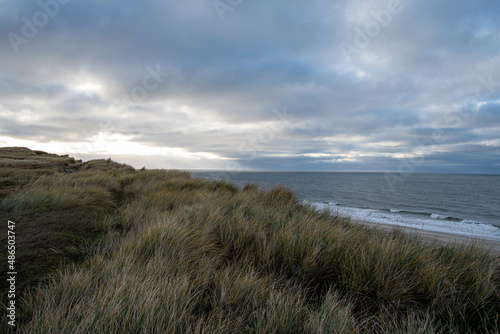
<point>433,222</point>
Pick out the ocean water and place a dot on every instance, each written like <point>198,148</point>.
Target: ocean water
<point>463,204</point>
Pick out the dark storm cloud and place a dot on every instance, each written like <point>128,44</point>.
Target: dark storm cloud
<point>174,75</point>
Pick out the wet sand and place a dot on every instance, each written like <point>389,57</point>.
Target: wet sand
<point>436,238</point>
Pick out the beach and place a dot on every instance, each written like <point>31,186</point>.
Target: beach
<point>435,238</point>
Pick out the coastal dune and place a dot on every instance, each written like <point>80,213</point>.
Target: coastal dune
<point>106,248</point>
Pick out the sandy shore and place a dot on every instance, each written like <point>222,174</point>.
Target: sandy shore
<point>436,238</point>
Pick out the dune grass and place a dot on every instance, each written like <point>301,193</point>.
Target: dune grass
<point>172,254</point>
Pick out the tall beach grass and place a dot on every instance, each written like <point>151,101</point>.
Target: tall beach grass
<point>183,255</point>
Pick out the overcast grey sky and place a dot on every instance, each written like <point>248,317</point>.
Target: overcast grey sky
<point>262,84</point>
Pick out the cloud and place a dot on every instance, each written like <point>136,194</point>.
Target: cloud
<point>429,72</point>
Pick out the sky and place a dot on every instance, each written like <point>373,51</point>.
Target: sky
<point>397,85</point>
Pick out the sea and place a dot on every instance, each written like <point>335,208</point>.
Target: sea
<point>461,204</point>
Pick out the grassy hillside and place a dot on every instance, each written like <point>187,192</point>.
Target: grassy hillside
<point>104,248</point>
